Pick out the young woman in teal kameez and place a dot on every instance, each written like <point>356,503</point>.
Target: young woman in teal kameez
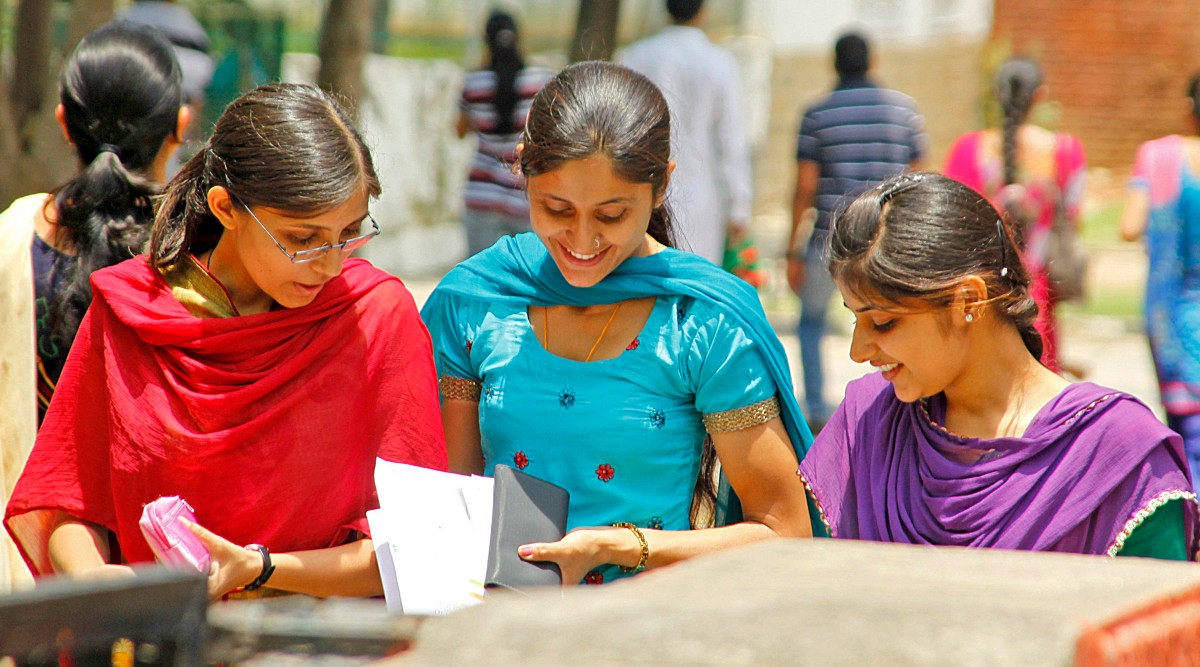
<point>593,355</point>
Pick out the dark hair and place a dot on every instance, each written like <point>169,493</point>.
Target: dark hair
<point>851,55</point>
<point>917,236</point>
<point>1016,81</point>
<point>598,108</point>
<point>505,60</point>
<point>683,11</point>
<point>1193,93</point>
<point>121,91</point>
<point>285,146</point>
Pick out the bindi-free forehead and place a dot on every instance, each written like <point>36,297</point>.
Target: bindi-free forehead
<point>588,182</point>
<point>348,214</point>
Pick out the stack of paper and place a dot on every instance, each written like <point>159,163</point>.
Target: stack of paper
<point>431,537</point>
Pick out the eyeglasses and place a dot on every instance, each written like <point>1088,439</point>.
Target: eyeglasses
<point>313,254</point>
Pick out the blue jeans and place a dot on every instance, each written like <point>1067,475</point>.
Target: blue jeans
<point>1188,426</point>
<point>815,295</point>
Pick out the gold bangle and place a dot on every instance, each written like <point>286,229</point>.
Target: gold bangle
<point>645,556</point>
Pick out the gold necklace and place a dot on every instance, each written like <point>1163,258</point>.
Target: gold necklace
<point>546,330</point>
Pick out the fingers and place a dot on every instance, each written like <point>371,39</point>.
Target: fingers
<point>535,551</point>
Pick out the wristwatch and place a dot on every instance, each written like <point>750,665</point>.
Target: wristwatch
<point>267,569</point>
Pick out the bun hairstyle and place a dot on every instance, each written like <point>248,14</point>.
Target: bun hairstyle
<point>598,108</point>
<point>917,236</point>
<point>121,91</point>
<point>285,146</point>
<point>1016,82</point>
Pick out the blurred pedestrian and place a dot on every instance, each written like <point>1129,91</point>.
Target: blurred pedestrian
<point>494,104</point>
<point>1031,173</point>
<point>594,355</point>
<point>850,140</point>
<point>1164,205</point>
<point>711,189</point>
<point>245,364</point>
<point>191,45</point>
<point>962,437</point>
<point>121,109</point>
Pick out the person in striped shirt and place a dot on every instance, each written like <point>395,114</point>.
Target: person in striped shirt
<point>494,103</point>
<point>850,140</point>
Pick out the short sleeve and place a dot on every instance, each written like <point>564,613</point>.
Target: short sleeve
<point>453,324</point>
<point>808,148</point>
<point>917,137</point>
<point>727,369</point>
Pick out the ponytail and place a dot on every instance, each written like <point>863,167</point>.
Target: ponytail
<point>660,226</point>
<point>105,211</point>
<point>1016,82</point>
<point>121,90</point>
<point>183,215</point>
<point>506,62</point>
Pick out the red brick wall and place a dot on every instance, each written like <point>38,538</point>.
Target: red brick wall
<point>1117,67</point>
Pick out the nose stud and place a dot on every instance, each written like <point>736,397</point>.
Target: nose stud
<point>597,241</point>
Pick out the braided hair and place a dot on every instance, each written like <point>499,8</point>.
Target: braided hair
<point>1016,82</point>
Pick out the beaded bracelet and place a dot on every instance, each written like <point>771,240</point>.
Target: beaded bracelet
<point>645,556</point>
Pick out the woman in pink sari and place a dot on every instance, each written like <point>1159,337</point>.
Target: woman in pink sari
<point>1031,173</point>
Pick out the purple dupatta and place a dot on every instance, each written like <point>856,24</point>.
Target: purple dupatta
<point>885,470</point>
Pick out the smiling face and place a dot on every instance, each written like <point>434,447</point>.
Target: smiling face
<point>919,352</point>
<point>590,219</point>
<point>256,273</point>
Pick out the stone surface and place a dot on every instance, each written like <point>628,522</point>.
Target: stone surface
<point>814,602</point>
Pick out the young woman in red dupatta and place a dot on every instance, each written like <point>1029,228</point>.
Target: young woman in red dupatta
<point>245,365</point>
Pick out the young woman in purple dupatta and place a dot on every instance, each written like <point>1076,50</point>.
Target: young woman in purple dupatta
<point>963,438</point>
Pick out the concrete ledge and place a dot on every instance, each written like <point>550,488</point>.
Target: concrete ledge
<point>819,602</point>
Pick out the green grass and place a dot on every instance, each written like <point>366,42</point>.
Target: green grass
<point>1108,298</point>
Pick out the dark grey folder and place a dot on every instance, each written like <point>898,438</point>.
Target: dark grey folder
<point>525,509</point>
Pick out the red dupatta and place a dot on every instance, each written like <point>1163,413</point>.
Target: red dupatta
<point>267,424</point>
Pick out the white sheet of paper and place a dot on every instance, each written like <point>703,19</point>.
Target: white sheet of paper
<point>432,521</point>
<point>377,520</point>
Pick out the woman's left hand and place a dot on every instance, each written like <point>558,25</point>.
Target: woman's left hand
<point>231,565</point>
<point>576,554</point>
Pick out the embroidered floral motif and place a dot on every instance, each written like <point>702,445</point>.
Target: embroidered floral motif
<point>594,578</point>
<point>633,346</point>
<point>566,398</point>
<point>656,417</point>
<point>489,393</point>
<point>656,522</point>
<point>605,472</point>
<point>520,460</point>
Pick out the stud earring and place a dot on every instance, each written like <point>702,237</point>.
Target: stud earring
<point>970,318</point>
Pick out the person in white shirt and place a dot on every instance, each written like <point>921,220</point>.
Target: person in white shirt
<point>711,188</point>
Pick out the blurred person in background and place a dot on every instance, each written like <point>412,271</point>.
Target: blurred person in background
<point>191,45</point>
<point>1033,174</point>
<point>850,140</point>
<point>494,104</point>
<point>1163,205</point>
<point>121,108</point>
<point>711,189</point>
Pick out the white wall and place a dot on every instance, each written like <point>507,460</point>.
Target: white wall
<point>813,25</point>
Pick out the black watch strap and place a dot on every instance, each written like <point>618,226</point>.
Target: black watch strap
<point>267,570</point>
